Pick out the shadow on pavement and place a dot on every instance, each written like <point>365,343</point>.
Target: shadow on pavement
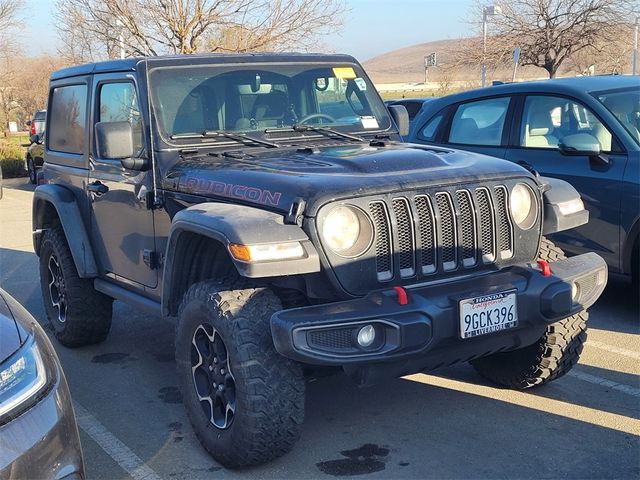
<point>18,184</point>
<point>618,308</point>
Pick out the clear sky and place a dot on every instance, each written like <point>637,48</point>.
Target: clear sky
<point>371,27</point>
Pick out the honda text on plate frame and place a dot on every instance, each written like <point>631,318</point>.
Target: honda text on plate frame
<point>488,314</point>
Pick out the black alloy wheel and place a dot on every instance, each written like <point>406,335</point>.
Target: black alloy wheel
<point>212,377</point>
<point>57,288</point>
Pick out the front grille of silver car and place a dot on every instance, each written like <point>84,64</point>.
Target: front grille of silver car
<point>441,232</point>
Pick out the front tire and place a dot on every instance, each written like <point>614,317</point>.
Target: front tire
<point>244,400</point>
<point>553,355</point>
<point>78,314</point>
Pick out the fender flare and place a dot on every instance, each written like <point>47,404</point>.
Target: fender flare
<point>64,202</point>
<point>557,192</point>
<point>227,223</point>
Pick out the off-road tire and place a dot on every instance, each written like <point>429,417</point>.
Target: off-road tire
<point>553,355</point>
<point>31,170</point>
<point>269,389</point>
<point>87,311</point>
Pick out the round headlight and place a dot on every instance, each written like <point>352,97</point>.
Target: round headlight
<point>347,231</point>
<point>524,206</point>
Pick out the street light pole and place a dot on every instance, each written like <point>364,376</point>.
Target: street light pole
<point>635,47</point>
<point>486,12</point>
<point>484,47</point>
<point>120,37</point>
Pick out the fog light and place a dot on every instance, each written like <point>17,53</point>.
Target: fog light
<point>575,291</point>
<point>366,336</point>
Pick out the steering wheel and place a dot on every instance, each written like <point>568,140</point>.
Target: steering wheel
<point>316,115</point>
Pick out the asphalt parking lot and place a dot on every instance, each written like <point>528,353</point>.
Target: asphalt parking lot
<point>450,424</point>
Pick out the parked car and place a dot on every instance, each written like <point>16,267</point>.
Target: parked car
<point>38,432</point>
<point>583,130</point>
<point>36,124</point>
<point>413,105</point>
<point>34,158</point>
<point>269,207</point>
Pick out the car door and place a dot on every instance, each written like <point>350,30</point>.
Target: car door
<point>480,126</point>
<point>121,217</point>
<point>543,121</point>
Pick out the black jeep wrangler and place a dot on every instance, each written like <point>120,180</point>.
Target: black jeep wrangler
<point>267,204</point>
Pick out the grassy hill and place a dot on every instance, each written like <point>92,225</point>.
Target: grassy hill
<point>406,65</point>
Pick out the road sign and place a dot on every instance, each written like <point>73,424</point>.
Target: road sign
<point>516,55</point>
<point>430,60</point>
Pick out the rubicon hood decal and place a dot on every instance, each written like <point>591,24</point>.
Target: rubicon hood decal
<point>230,190</point>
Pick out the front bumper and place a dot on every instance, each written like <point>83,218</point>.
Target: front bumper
<point>425,333</point>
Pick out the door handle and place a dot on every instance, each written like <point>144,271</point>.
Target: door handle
<point>97,187</point>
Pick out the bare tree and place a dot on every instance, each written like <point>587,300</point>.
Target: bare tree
<point>93,29</point>
<point>9,10</point>
<point>549,32</point>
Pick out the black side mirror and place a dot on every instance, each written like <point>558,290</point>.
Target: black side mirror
<point>582,145</point>
<point>28,123</point>
<point>35,138</point>
<point>401,118</point>
<point>114,141</point>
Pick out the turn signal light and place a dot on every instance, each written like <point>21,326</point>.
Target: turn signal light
<point>266,252</point>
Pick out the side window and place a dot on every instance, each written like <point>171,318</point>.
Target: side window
<point>548,120</point>
<point>68,119</point>
<point>431,128</point>
<point>479,123</point>
<point>119,103</point>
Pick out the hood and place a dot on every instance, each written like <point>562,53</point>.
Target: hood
<point>10,331</point>
<point>275,178</point>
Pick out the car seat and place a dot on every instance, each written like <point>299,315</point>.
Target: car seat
<point>539,129</point>
<point>270,108</point>
<point>466,132</point>
<point>197,112</point>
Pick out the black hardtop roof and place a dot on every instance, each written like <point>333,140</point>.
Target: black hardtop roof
<point>130,64</point>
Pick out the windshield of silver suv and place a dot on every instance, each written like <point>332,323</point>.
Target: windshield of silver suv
<point>201,100</point>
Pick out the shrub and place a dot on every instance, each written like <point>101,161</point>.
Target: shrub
<point>12,160</point>
<point>12,168</point>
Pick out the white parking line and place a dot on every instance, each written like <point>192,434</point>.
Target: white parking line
<point>118,451</point>
<point>613,349</point>
<point>620,387</point>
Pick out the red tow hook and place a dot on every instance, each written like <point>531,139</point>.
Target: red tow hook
<point>401,297</point>
<point>545,268</point>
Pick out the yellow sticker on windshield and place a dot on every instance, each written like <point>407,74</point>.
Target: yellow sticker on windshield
<point>346,73</point>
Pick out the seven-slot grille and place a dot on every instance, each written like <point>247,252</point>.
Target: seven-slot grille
<point>442,232</point>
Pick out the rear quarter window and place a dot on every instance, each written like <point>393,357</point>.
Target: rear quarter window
<point>68,115</point>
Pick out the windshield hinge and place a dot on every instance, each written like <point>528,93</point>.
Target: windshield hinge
<point>294,217</point>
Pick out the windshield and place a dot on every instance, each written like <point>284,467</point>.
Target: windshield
<point>255,98</point>
<point>625,106</point>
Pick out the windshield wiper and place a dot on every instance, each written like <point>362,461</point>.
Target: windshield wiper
<point>239,137</point>
<point>311,128</point>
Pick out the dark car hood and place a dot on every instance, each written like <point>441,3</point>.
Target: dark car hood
<point>12,335</point>
<point>277,177</point>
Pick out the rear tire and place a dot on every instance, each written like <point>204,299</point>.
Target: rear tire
<point>78,314</point>
<point>31,170</point>
<point>224,338</point>
<point>553,355</point>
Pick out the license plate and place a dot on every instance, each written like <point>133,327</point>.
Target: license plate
<point>488,314</point>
